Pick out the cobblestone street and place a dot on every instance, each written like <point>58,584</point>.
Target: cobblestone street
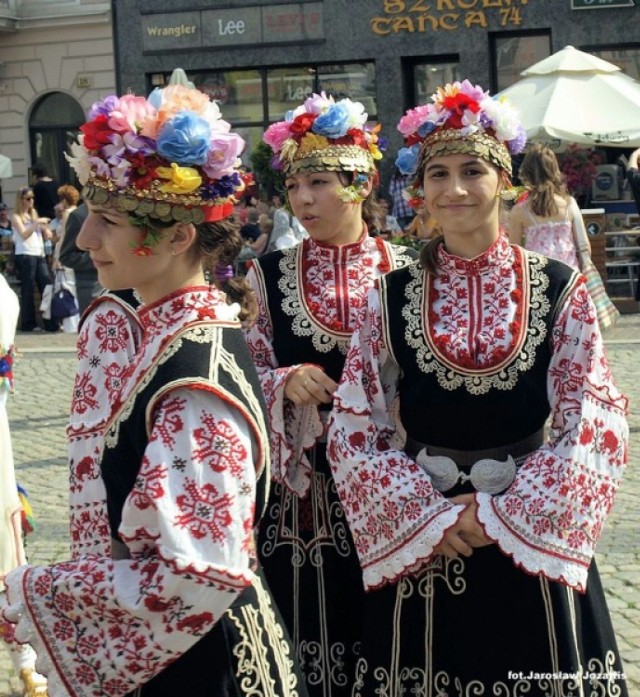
<point>38,416</point>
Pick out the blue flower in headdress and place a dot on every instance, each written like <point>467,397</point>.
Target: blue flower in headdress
<point>407,159</point>
<point>184,139</point>
<point>426,128</point>
<point>221,188</point>
<point>334,123</point>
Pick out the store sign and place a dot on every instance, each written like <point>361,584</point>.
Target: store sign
<point>600,4</point>
<point>411,16</point>
<point>174,30</point>
<point>243,26</point>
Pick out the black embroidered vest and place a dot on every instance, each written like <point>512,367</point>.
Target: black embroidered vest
<point>466,409</point>
<point>185,361</point>
<point>291,349</point>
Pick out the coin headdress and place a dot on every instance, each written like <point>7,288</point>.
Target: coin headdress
<point>163,159</point>
<point>461,118</point>
<point>325,135</point>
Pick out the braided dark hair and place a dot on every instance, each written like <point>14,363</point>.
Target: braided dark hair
<point>218,244</point>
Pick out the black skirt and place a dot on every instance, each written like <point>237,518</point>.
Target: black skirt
<point>481,626</point>
<point>310,562</point>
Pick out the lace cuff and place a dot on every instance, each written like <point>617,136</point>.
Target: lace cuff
<point>26,632</point>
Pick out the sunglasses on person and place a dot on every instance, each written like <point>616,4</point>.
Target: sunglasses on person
<point>28,198</point>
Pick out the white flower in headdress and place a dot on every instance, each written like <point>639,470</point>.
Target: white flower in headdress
<point>79,160</point>
<point>505,117</point>
<point>357,116</point>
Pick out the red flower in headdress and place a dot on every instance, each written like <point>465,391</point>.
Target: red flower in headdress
<point>97,133</point>
<point>458,104</point>
<point>301,124</point>
<point>143,170</point>
<point>357,137</point>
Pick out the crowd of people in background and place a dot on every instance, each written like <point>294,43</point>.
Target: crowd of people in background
<point>54,214</point>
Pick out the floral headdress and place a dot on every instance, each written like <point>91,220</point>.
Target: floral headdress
<point>325,135</point>
<point>169,158</point>
<point>462,118</point>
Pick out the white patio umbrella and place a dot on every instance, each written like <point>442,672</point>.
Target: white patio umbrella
<point>574,97</point>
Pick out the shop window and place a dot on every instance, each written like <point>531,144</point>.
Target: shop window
<point>250,98</point>
<point>626,58</point>
<point>513,53</point>
<point>357,81</point>
<point>288,87</point>
<point>238,93</point>
<point>427,77</point>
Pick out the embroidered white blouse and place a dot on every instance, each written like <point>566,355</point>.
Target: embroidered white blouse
<point>107,343</point>
<point>552,515</point>
<point>104,627</point>
<point>324,287</point>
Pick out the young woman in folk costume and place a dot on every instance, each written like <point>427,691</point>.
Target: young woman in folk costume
<point>309,297</point>
<point>177,605</point>
<point>475,534</point>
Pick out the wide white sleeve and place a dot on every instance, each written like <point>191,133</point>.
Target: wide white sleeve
<point>551,517</point>
<point>107,342</point>
<point>293,429</point>
<point>105,626</point>
<point>396,516</point>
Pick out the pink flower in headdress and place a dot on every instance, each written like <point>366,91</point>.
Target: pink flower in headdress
<point>130,114</point>
<point>225,148</point>
<point>276,134</point>
<point>413,119</point>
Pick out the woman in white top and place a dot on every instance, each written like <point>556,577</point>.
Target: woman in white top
<point>29,233</point>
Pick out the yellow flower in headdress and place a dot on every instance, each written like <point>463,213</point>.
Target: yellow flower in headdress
<point>449,90</point>
<point>182,180</point>
<point>311,141</point>
<point>289,150</point>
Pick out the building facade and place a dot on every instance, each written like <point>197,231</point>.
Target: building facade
<point>258,59</point>
<point>56,59</point>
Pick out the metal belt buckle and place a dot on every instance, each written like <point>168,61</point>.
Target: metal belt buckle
<point>487,475</point>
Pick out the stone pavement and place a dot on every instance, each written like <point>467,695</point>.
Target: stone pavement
<point>38,415</point>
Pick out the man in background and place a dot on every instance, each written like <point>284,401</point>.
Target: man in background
<point>45,192</point>
<point>87,286</point>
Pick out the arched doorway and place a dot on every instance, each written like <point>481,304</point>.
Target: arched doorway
<point>53,126</point>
